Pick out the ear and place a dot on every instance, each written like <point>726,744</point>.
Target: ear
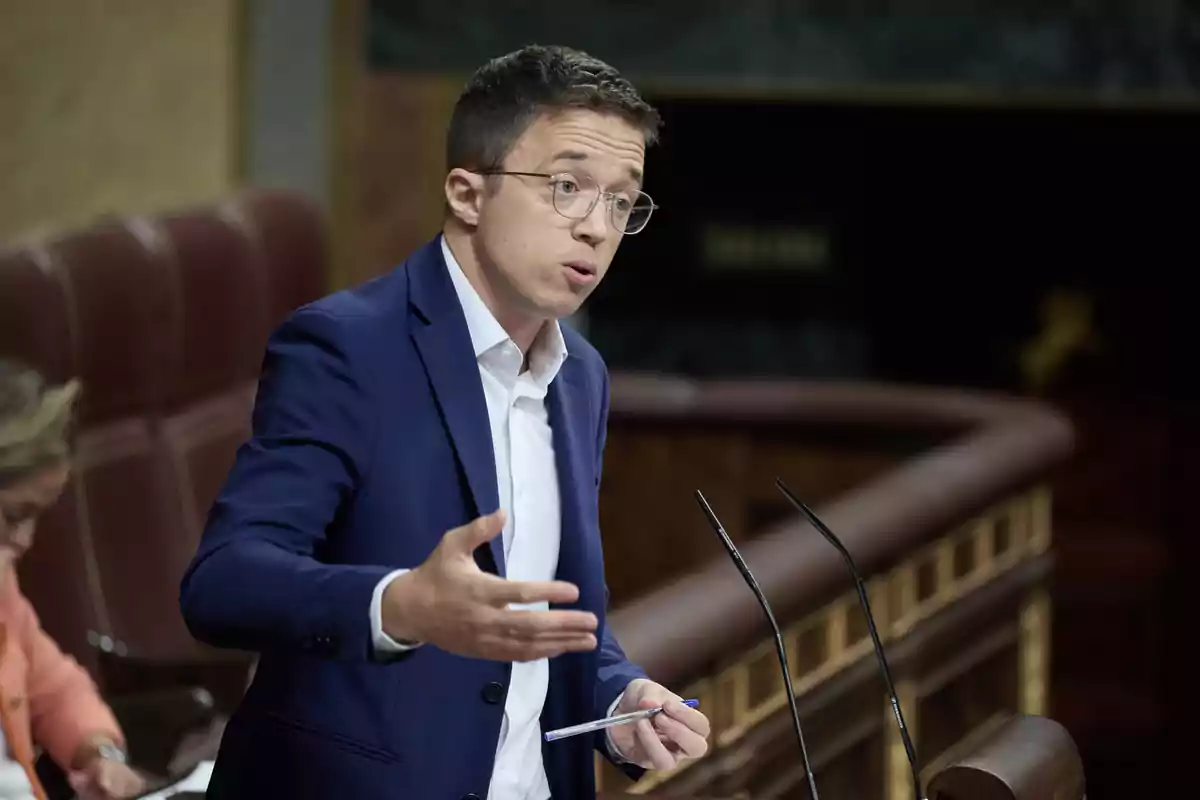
<point>464,194</point>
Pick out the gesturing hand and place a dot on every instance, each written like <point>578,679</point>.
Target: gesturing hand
<point>665,739</point>
<point>450,602</point>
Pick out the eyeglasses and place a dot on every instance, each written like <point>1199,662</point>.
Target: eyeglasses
<point>575,196</point>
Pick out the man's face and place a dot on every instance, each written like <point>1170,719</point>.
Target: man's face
<point>542,264</point>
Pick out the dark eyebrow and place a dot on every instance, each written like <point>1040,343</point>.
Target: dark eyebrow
<point>570,155</point>
<point>576,155</point>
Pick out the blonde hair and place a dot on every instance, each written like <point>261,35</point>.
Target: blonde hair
<point>35,422</point>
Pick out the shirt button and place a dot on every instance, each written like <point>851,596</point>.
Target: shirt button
<point>493,693</point>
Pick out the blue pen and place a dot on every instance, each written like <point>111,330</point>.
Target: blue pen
<point>608,722</point>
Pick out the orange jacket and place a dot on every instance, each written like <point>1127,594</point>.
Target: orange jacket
<point>45,696</point>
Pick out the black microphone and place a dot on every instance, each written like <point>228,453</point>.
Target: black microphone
<point>866,606</point>
<point>779,648</point>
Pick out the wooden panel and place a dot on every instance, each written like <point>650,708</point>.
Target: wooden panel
<point>1116,547</point>
<point>969,700</point>
<point>652,528</point>
<point>397,204</point>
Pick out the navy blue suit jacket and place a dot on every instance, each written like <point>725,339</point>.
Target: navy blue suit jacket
<point>371,440</point>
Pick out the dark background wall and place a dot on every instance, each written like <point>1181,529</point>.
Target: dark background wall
<point>1105,47</point>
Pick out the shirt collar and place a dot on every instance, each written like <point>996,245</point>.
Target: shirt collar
<point>549,348</point>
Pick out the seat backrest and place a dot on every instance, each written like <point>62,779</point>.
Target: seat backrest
<point>164,320</point>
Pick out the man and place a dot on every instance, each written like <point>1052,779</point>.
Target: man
<point>410,538</point>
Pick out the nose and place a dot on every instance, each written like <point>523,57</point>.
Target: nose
<point>594,228</point>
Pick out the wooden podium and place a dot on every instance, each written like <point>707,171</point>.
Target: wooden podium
<point>1027,758</point>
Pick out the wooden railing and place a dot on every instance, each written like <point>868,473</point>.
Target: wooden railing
<point>955,538</point>
<point>1023,758</point>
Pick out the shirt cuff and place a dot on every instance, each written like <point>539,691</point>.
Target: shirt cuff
<point>616,754</point>
<point>384,643</point>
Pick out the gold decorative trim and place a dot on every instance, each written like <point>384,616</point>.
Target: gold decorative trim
<point>1034,669</point>
<point>830,640</point>
<point>898,780</point>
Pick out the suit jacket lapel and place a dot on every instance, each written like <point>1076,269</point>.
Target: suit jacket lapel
<point>568,407</point>
<point>570,696</point>
<point>444,343</point>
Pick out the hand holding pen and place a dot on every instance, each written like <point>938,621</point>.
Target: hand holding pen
<point>609,722</point>
<point>657,728</point>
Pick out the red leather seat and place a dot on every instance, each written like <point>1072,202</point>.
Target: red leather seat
<point>164,320</point>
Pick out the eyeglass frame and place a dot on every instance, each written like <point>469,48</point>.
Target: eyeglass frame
<point>601,193</point>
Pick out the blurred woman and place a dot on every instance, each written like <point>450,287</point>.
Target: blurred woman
<point>46,698</point>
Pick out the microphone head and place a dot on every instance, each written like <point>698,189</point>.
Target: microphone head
<point>707,509</point>
<point>800,505</point>
<point>816,522</point>
<point>713,522</point>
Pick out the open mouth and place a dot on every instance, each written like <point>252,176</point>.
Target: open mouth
<point>582,269</point>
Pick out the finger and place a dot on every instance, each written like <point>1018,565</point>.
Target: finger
<point>653,749</point>
<point>121,780</point>
<point>580,639</point>
<point>693,719</point>
<point>463,540</point>
<point>131,784</point>
<point>550,648</point>
<point>105,778</point>
<point>500,649</point>
<point>536,652</point>
<point>495,639</point>
<point>529,625</point>
<point>688,741</point>
<point>499,591</point>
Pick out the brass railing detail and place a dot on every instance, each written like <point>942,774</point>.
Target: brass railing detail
<point>898,778</point>
<point>1035,653</point>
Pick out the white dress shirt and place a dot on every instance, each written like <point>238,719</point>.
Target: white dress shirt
<point>527,480</point>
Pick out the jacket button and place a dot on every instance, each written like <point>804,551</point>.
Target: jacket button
<point>493,693</point>
<point>471,796</point>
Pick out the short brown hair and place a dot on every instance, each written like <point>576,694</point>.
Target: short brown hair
<point>508,93</point>
<point>34,422</point>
